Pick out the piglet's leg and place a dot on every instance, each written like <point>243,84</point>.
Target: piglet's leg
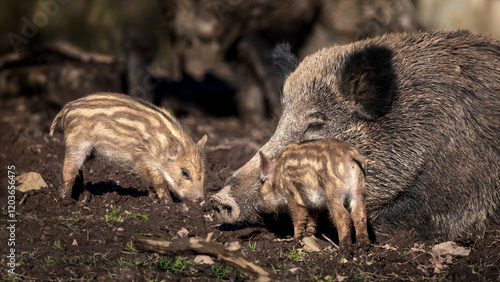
<point>358,213</point>
<point>339,214</point>
<point>298,211</point>
<point>74,156</point>
<point>155,180</point>
<point>312,222</point>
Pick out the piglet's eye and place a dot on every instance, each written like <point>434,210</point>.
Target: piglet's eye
<point>186,174</point>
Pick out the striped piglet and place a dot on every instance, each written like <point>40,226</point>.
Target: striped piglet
<point>132,133</point>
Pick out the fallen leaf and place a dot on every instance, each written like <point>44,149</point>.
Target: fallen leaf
<point>295,270</point>
<point>449,248</point>
<point>442,254</point>
<point>388,247</point>
<point>341,278</point>
<point>310,244</point>
<point>30,181</point>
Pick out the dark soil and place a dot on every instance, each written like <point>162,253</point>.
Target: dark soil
<point>92,239</point>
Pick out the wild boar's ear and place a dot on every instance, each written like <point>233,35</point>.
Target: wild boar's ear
<point>201,144</point>
<point>367,78</point>
<point>284,60</point>
<point>266,166</point>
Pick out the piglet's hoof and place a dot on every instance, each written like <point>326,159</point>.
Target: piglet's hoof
<point>363,244</point>
<point>67,201</point>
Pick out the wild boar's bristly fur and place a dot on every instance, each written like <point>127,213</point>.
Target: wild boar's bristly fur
<point>134,133</point>
<point>424,111</point>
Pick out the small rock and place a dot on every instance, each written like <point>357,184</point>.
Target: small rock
<point>202,259</point>
<point>30,181</point>
<point>183,232</point>
<point>233,246</point>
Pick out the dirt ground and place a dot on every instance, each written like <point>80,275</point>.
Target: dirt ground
<point>93,240</point>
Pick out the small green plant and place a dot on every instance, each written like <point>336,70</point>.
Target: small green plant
<point>138,216</point>
<point>341,258</point>
<point>362,275</point>
<point>51,198</point>
<point>116,215</point>
<point>295,255</point>
<point>173,266</point>
<point>220,270</point>
<point>307,263</point>
<point>10,277</point>
<point>130,247</point>
<point>278,266</point>
<point>320,277</point>
<point>147,234</point>
<point>50,260</point>
<point>132,262</point>
<point>57,245</point>
<point>251,247</point>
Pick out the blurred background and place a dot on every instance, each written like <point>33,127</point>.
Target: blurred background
<point>196,57</point>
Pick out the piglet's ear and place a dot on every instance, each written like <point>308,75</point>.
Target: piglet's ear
<point>175,149</point>
<point>367,78</point>
<point>201,144</point>
<point>266,166</point>
<point>284,60</point>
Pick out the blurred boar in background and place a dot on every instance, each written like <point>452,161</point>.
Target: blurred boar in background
<point>134,133</point>
<point>314,175</point>
<point>424,111</point>
<point>241,35</point>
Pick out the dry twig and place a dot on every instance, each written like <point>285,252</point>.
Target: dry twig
<point>233,258</point>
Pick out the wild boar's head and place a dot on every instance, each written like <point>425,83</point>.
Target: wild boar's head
<point>327,94</point>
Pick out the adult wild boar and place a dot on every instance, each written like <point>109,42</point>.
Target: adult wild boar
<point>423,109</point>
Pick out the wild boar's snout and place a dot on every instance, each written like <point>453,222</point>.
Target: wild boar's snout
<point>236,201</point>
<point>226,207</point>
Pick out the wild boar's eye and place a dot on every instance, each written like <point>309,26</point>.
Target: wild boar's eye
<point>314,126</point>
<point>186,173</point>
